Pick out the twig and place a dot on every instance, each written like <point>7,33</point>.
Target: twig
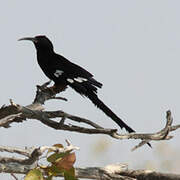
<point>55,114</point>
<point>14,176</point>
<point>25,152</point>
<point>8,119</point>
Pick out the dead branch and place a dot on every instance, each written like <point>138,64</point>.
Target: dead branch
<point>17,113</point>
<point>110,172</point>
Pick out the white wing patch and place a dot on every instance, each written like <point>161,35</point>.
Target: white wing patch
<point>80,79</point>
<point>58,73</point>
<point>70,80</point>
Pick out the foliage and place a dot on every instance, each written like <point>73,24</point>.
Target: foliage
<point>58,164</point>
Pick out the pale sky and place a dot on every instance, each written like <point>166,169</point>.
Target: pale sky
<point>131,46</point>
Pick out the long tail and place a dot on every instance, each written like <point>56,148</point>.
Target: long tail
<point>97,102</point>
<point>89,90</point>
<point>94,98</point>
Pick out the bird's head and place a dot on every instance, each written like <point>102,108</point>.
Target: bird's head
<point>41,42</point>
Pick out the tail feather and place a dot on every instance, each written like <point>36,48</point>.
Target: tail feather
<point>94,98</point>
<point>96,101</point>
<point>90,91</point>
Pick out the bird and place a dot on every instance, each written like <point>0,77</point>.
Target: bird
<point>65,74</point>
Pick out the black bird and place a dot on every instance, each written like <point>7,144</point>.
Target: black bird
<point>65,73</point>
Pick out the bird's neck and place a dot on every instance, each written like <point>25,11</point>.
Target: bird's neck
<point>44,56</point>
<point>44,50</point>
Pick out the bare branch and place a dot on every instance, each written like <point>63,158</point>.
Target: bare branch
<point>8,119</point>
<point>55,114</point>
<point>16,165</point>
<point>110,172</point>
<point>25,152</point>
<point>150,175</point>
<point>18,113</point>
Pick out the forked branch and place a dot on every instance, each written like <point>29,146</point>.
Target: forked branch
<point>18,113</point>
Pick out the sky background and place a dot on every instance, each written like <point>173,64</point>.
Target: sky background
<point>131,46</point>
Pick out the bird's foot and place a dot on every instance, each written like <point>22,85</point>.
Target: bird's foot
<point>55,89</point>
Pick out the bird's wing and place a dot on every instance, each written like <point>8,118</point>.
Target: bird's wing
<point>73,69</point>
<point>74,73</point>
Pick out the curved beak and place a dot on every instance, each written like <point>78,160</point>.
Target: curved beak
<point>33,39</point>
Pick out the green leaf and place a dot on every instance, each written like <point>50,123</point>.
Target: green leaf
<point>56,156</point>
<point>34,174</point>
<point>71,171</point>
<point>54,171</point>
<point>49,178</point>
<point>70,174</point>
